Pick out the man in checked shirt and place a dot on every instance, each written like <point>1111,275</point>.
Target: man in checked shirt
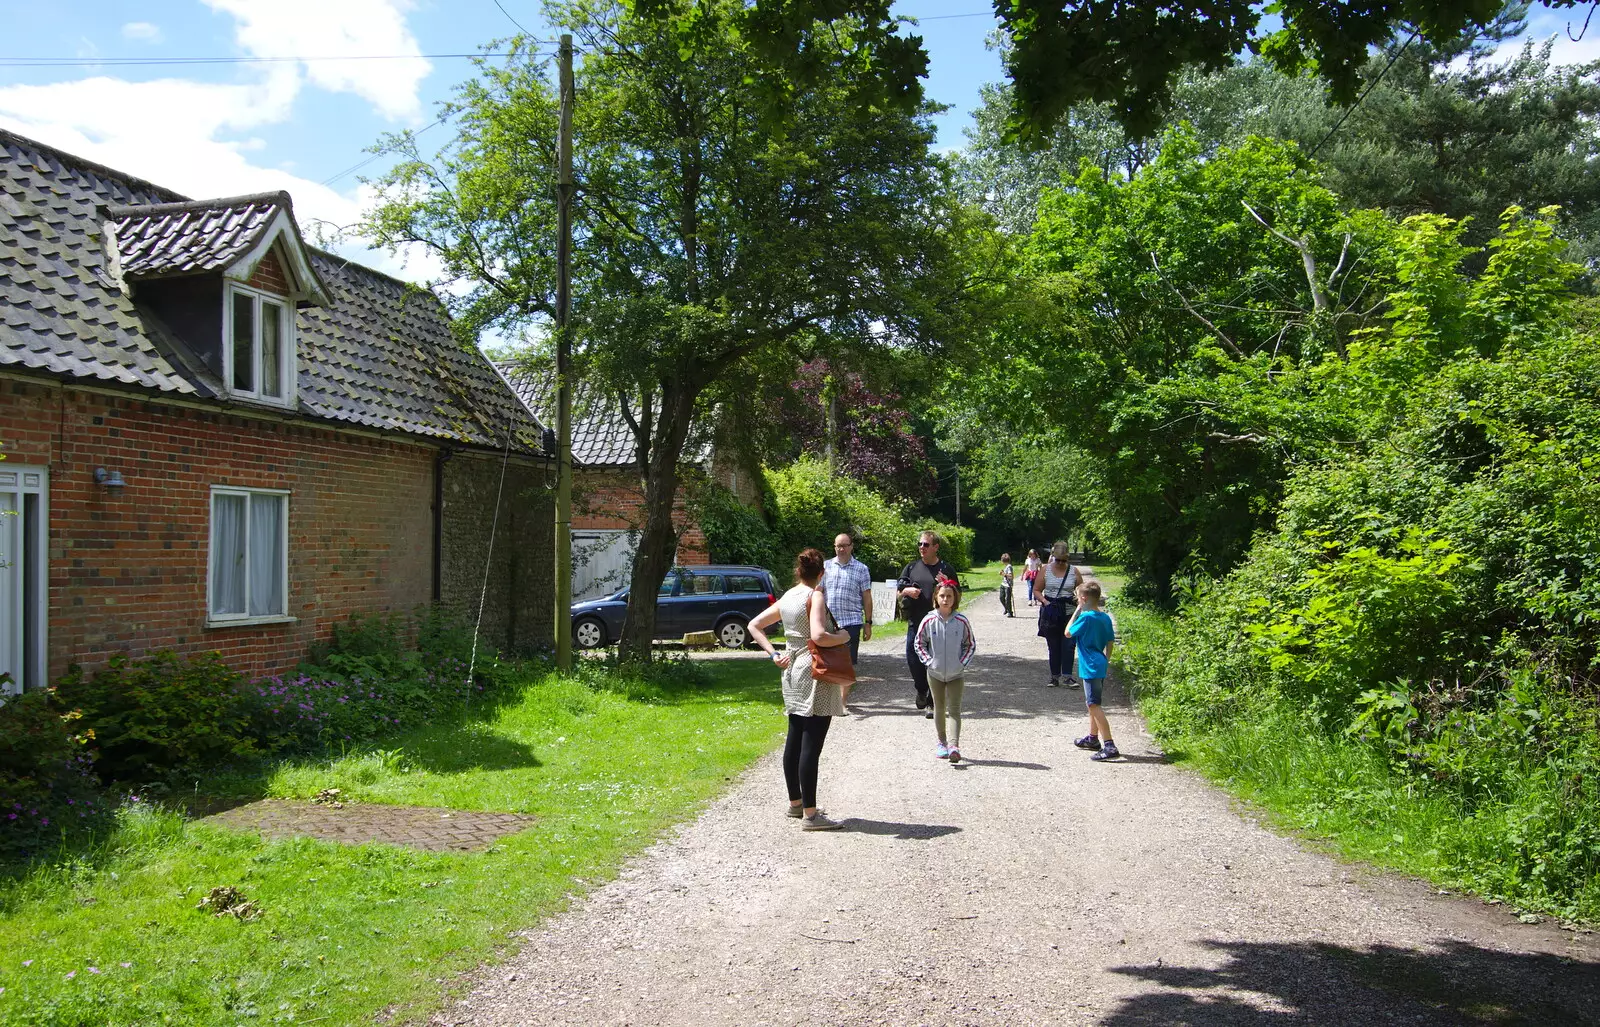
<point>847,584</point>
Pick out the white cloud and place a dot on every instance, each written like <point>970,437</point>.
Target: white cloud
<point>141,32</point>
<point>198,137</point>
<point>345,28</point>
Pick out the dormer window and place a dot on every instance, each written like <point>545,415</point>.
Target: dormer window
<point>226,277</point>
<point>259,349</point>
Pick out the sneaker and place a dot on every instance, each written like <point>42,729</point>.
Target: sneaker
<point>1107,751</point>
<point>955,756</point>
<point>924,701</point>
<point>928,714</point>
<point>1074,683</point>
<point>1086,742</point>
<point>941,752</point>
<point>819,821</point>
<point>1055,682</point>
<point>794,811</point>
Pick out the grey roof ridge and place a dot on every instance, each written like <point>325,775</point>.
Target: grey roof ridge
<point>83,164</point>
<point>178,207</point>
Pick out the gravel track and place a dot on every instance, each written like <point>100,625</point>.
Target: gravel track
<point>1029,887</point>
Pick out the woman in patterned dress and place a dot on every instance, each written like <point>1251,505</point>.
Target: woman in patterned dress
<point>810,704</point>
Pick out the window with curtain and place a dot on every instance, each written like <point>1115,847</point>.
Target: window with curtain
<point>260,346</point>
<point>249,569</point>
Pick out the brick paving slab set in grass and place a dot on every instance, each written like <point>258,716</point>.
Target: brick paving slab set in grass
<point>418,827</point>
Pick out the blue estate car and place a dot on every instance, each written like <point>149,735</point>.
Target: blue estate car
<point>716,597</point>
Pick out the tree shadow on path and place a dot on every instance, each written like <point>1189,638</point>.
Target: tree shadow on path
<point>904,832</point>
<point>1273,984</point>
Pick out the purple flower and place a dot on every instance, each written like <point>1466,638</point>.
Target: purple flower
<point>71,974</point>
<point>94,969</point>
<point>27,962</point>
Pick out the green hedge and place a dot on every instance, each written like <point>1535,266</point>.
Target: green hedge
<point>807,505</point>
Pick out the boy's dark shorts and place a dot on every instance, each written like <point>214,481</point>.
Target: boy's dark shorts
<point>1092,688</point>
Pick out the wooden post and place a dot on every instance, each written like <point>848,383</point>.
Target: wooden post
<point>564,190</point>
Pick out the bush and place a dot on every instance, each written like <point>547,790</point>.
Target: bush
<point>366,681</point>
<point>735,533</point>
<point>47,781</point>
<point>163,714</point>
<point>812,504</point>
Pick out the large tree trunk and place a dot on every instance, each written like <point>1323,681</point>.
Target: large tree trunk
<point>658,539</point>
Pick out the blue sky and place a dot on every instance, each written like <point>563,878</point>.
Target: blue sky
<point>302,125</point>
<point>230,128</point>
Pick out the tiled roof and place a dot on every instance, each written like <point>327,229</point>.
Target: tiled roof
<point>379,355</point>
<point>194,237</point>
<point>600,437</point>
<point>59,309</point>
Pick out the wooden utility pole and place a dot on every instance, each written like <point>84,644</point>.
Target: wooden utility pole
<point>564,190</point>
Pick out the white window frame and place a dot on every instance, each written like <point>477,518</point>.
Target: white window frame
<point>232,295</point>
<point>23,481</point>
<point>213,619</point>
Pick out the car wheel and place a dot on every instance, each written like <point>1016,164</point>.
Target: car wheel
<point>733,634</point>
<point>589,633</point>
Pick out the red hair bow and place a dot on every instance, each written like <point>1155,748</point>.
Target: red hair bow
<point>949,583</point>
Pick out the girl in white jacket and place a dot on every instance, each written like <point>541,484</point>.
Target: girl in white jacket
<point>945,644</point>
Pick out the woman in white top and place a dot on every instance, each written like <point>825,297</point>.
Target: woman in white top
<point>810,704</point>
<point>1055,588</point>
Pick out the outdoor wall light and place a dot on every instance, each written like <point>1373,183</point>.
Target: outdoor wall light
<point>110,480</point>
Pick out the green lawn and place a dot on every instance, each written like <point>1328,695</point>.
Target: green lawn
<point>113,936</point>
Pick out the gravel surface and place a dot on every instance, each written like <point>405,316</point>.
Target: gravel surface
<point>1031,886</point>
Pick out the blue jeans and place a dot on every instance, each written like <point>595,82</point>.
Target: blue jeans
<point>854,631</point>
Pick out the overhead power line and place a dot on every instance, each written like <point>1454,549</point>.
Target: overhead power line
<point>133,62</point>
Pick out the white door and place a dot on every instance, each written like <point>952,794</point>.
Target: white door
<point>602,561</point>
<point>24,492</point>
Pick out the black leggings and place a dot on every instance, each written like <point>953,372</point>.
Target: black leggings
<point>801,753</point>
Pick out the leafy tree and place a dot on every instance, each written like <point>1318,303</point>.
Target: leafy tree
<point>1173,322</point>
<point>1128,53</point>
<point>714,225</point>
<point>1451,129</point>
<point>859,432</point>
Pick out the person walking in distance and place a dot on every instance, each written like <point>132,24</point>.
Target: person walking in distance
<point>810,704</point>
<point>1008,578</point>
<point>1055,589</point>
<point>1030,573</point>
<point>848,586</point>
<point>916,586</point>
<point>1094,632</point>
<point>946,645</point>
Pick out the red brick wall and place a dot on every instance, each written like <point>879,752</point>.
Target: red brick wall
<point>615,500</point>
<point>269,275</point>
<point>128,573</point>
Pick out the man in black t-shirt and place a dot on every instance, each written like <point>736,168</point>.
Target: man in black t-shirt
<point>916,594</point>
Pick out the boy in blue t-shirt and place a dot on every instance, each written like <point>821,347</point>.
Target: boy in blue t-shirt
<point>1092,629</point>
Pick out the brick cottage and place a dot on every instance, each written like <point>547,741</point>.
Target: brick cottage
<point>219,438</point>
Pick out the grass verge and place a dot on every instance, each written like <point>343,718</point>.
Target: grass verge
<point>110,934</point>
<point>1342,794</point>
